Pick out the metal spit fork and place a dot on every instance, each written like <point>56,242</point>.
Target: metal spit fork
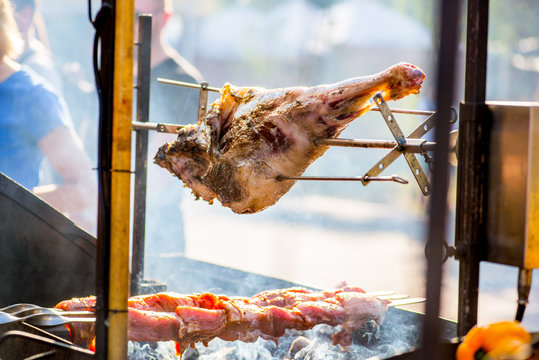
<point>406,146</point>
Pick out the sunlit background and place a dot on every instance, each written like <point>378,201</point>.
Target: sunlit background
<point>320,233</point>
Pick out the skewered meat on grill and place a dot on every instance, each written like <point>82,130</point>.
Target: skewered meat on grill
<point>253,136</point>
<point>188,319</point>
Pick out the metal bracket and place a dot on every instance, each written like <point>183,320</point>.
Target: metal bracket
<point>202,101</point>
<point>397,133</point>
<point>174,128</point>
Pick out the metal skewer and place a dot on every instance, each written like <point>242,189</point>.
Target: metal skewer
<point>164,128</point>
<point>410,146</point>
<point>198,86</point>
<point>408,301</point>
<point>408,111</point>
<point>186,84</point>
<point>394,178</point>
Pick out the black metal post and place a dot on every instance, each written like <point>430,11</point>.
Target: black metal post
<point>472,168</point>
<point>141,150</point>
<point>103,61</point>
<point>448,15</point>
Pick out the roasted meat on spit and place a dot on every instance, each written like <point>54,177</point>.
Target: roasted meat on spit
<point>188,319</point>
<point>251,137</point>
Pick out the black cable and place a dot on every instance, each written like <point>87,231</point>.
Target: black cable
<point>102,66</point>
<point>90,11</point>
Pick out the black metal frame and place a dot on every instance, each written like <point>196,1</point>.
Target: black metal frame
<point>472,171</point>
<point>448,15</point>
<point>141,152</point>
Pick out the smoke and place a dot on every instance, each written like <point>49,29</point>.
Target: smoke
<point>397,335</point>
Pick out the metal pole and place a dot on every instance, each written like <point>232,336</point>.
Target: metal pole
<point>103,62</point>
<point>472,170</point>
<point>141,151</point>
<point>448,15</point>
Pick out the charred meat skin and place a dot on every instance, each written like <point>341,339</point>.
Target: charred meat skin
<point>188,319</point>
<point>250,136</point>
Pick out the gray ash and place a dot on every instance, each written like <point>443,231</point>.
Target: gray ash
<point>315,344</point>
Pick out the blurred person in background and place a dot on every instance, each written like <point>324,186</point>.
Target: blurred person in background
<point>168,104</point>
<point>35,124</point>
<point>36,52</point>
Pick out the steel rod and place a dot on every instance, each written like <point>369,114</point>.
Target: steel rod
<point>408,301</point>
<point>408,111</point>
<point>411,145</point>
<point>141,152</point>
<point>164,128</point>
<point>198,86</point>
<point>138,125</point>
<point>393,178</point>
<point>186,84</point>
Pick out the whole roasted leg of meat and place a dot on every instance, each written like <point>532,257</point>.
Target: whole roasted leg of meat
<point>251,136</point>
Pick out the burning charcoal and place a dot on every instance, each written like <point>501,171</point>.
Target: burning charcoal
<point>299,343</point>
<point>368,333</point>
<point>150,351</point>
<point>320,350</point>
<point>164,350</point>
<point>190,354</point>
<point>221,350</point>
<point>325,332</point>
<point>226,353</point>
<point>361,352</point>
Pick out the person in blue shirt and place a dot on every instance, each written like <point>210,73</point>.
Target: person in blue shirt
<point>36,53</point>
<point>35,124</point>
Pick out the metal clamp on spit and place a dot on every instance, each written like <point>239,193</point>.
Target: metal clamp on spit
<point>173,128</point>
<point>407,146</point>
